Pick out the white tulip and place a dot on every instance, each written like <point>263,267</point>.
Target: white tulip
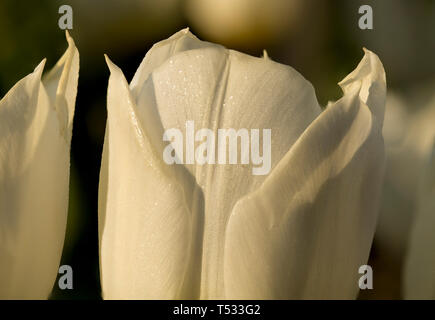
<point>218,231</point>
<point>419,274</point>
<point>408,134</point>
<point>35,132</point>
<point>419,271</point>
<point>403,166</point>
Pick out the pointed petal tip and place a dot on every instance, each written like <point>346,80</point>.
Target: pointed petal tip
<point>112,67</point>
<point>182,33</point>
<point>370,65</point>
<point>115,71</point>
<point>374,58</point>
<point>369,55</point>
<point>368,82</point>
<point>70,40</point>
<point>265,55</point>
<point>40,68</point>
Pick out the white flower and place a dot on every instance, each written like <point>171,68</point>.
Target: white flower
<point>35,132</point>
<point>217,231</point>
<point>419,274</point>
<point>419,271</point>
<point>408,134</point>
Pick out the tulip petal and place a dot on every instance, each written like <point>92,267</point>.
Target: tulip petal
<point>147,215</point>
<point>309,227</point>
<point>61,86</point>
<point>34,178</point>
<point>181,41</point>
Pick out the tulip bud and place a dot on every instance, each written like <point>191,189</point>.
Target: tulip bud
<point>215,230</point>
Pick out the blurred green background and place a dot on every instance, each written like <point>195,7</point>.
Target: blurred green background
<point>320,39</point>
